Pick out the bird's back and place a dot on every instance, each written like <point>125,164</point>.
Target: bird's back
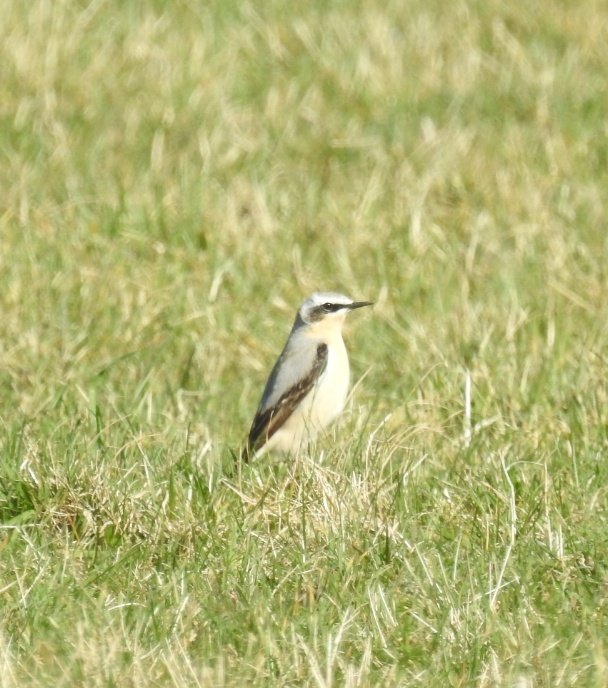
<point>294,362</point>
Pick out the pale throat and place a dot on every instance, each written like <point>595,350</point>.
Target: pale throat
<point>327,330</point>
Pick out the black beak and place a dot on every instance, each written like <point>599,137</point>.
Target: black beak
<point>360,304</point>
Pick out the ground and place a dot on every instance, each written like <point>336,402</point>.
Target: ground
<point>175,179</point>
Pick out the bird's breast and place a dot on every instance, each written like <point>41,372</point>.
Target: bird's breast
<point>331,392</point>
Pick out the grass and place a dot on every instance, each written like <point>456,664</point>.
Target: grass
<point>175,178</point>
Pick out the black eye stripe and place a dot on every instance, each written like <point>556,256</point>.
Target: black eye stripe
<point>318,312</point>
<point>331,307</point>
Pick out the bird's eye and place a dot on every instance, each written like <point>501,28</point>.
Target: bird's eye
<point>327,307</point>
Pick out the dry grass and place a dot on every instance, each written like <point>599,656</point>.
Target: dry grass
<point>175,179</point>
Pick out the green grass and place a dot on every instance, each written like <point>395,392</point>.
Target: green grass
<point>175,178</point>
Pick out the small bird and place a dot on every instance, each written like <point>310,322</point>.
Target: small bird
<point>308,385</point>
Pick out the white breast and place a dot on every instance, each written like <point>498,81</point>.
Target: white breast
<point>330,394</point>
<point>320,407</point>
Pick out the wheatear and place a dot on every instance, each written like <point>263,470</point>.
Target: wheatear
<point>308,385</point>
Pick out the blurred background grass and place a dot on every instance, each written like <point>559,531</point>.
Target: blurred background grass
<point>175,178</point>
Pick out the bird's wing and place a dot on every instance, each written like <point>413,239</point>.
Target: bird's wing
<point>268,420</point>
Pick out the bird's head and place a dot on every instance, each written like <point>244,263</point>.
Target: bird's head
<point>327,309</point>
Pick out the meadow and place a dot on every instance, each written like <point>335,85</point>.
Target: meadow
<point>175,178</point>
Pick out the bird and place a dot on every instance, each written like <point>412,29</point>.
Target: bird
<point>308,385</point>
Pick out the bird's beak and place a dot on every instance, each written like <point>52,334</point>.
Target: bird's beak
<point>360,304</point>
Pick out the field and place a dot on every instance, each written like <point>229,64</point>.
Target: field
<point>175,179</point>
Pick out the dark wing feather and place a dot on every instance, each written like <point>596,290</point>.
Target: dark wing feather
<point>267,422</point>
